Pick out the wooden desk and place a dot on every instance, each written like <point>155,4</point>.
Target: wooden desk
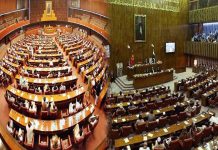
<point>73,48</point>
<point>52,126</point>
<point>80,64</point>
<point>7,72</point>
<point>48,55</point>
<point>86,55</point>
<point>205,96</point>
<point>49,51</point>
<point>11,63</point>
<point>50,81</point>
<point>21,53</point>
<point>85,72</point>
<point>55,61</point>
<point>57,98</point>
<point>159,133</point>
<point>132,92</point>
<point>196,86</point>
<point>52,69</point>
<point>100,75</point>
<point>140,69</point>
<point>151,80</point>
<point>74,53</point>
<point>129,118</point>
<point>21,60</point>
<point>135,102</point>
<point>9,140</point>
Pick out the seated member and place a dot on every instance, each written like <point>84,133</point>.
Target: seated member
<point>33,107</point>
<point>78,134</point>
<point>93,120</point>
<point>63,87</point>
<point>29,132</point>
<point>72,108</point>
<point>19,135</point>
<point>26,104</point>
<point>159,144</point>
<point>53,108</point>
<point>44,104</point>
<point>10,127</point>
<point>79,105</point>
<point>55,142</point>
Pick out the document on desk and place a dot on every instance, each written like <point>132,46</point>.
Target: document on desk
<point>18,119</point>
<point>150,134</point>
<point>26,120</point>
<point>124,119</point>
<point>186,122</point>
<point>145,138</point>
<point>126,140</point>
<point>202,115</point>
<point>165,130</point>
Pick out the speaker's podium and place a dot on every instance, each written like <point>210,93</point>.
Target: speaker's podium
<point>48,17</point>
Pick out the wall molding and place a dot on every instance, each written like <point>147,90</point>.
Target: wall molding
<point>167,5</point>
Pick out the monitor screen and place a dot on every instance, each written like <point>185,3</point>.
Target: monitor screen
<point>170,47</point>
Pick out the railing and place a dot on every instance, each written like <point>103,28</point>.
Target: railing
<point>203,49</point>
<point>90,12</point>
<point>94,18</point>
<point>203,15</point>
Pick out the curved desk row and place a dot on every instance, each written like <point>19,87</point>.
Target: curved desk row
<point>31,69</point>
<point>11,63</point>
<point>57,98</point>
<point>85,72</point>
<point>69,80</point>
<point>129,118</point>
<point>7,72</point>
<point>161,132</point>
<point>52,126</point>
<point>9,140</point>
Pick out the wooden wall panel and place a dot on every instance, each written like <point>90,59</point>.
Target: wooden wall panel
<point>203,49</point>
<point>37,8</point>
<point>203,15</point>
<point>162,26</point>
<point>98,6</point>
<point>7,5</point>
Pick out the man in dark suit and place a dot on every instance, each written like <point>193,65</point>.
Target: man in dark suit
<point>97,91</point>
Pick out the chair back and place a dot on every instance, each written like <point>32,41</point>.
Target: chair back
<point>173,119</point>
<point>126,130</point>
<point>215,129</point>
<point>187,143</point>
<point>162,122</point>
<point>182,116</point>
<point>141,127</point>
<point>207,132</point>
<point>152,125</point>
<point>115,134</point>
<point>175,145</point>
<point>198,138</point>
